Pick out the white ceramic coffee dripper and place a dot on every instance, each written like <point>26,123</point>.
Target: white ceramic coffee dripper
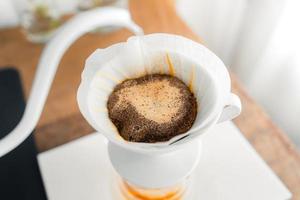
<point>152,165</point>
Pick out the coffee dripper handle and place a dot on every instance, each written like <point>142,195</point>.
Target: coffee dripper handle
<point>50,59</point>
<point>232,108</point>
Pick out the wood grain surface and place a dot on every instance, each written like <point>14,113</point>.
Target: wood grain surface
<point>61,121</point>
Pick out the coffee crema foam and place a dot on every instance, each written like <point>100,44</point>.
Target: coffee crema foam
<point>152,108</point>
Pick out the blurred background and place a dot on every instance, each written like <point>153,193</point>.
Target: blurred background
<point>256,39</point>
<point>259,41</point>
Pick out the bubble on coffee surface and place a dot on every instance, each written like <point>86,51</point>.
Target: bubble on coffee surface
<point>152,108</point>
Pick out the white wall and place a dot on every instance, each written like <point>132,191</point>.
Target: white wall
<point>259,41</point>
<point>216,22</point>
<point>8,15</point>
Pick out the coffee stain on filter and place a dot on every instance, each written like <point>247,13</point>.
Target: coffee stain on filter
<point>122,73</point>
<point>192,79</point>
<point>161,69</point>
<point>170,65</point>
<point>109,77</point>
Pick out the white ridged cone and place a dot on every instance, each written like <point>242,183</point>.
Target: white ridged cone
<point>198,67</point>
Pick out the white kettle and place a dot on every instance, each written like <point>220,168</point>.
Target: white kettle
<point>49,61</point>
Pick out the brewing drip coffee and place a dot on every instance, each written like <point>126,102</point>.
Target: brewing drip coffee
<point>152,108</point>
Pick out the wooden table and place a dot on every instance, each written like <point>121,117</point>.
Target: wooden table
<point>61,121</point>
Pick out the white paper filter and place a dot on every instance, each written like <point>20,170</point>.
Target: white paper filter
<point>140,55</point>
